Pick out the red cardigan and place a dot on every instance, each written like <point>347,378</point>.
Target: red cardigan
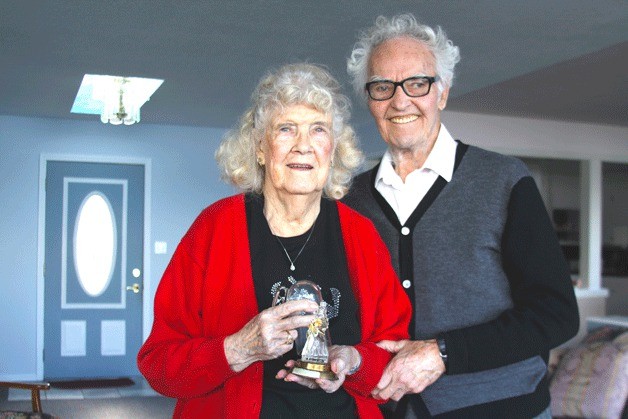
<point>207,294</point>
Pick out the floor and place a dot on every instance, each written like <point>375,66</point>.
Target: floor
<point>140,388</point>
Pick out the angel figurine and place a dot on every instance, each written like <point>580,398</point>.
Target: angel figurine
<point>314,361</point>
<point>315,349</point>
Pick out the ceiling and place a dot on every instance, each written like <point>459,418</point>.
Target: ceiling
<point>558,60</point>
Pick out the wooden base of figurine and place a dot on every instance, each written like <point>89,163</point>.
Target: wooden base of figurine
<point>314,370</point>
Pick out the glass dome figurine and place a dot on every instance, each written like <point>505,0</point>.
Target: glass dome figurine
<point>312,342</point>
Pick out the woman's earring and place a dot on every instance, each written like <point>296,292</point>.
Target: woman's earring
<point>260,161</point>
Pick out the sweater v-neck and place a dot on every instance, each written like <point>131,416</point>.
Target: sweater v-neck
<point>425,203</point>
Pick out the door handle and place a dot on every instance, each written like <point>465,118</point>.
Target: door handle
<point>135,288</point>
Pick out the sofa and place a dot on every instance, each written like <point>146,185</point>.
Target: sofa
<point>590,380</point>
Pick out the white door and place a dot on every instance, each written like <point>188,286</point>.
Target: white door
<point>93,269</point>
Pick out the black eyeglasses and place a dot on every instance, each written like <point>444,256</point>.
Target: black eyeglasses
<point>412,86</point>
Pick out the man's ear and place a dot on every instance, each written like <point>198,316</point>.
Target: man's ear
<point>442,101</point>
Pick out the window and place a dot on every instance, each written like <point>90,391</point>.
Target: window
<point>95,239</point>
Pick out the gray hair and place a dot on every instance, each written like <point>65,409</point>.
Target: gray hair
<point>445,53</point>
<point>292,84</point>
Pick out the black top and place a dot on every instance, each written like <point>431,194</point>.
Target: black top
<point>323,261</point>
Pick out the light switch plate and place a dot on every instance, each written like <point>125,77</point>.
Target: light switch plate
<point>161,248</point>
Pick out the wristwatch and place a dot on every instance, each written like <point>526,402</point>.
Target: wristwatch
<point>356,368</point>
<point>442,349</point>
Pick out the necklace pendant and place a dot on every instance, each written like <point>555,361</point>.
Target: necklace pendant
<point>292,268</point>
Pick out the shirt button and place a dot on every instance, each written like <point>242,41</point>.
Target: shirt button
<point>406,284</point>
<point>405,231</point>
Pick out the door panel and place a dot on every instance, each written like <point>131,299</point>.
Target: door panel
<point>75,192</point>
<point>93,330</point>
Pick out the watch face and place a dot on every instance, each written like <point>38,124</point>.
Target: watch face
<point>442,348</point>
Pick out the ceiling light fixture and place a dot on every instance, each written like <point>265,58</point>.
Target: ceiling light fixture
<point>120,104</point>
<point>116,99</point>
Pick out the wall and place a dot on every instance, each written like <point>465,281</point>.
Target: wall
<point>540,138</point>
<point>184,180</point>
<point>559,183</point>
<point>616,204</point>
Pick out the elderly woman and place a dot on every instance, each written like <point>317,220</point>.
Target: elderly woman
<point>218,344</point>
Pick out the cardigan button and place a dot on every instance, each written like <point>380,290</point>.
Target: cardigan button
<point>406,284</point>
<point>405,231</point>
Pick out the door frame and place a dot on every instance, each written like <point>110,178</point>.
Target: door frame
<point>41,239</point>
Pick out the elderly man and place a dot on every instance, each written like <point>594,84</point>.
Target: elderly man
<point>470,240</point>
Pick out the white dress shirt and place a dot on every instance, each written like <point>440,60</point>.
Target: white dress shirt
<point>405,197</point>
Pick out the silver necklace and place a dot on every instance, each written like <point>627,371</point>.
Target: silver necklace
<point>292,267</point>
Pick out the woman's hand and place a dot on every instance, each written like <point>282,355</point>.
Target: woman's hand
<point>268,335</point>
<point>341,358</point>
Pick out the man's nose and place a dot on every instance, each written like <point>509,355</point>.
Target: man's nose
<point>400,99</point>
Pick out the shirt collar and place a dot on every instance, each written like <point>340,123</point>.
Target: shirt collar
<point>440,160</point>
<point>443,155</point>
<point>386,172</point>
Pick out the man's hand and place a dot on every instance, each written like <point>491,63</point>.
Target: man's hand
<point>416,365</point>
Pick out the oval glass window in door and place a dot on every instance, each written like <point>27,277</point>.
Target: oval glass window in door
<point>95,239</point>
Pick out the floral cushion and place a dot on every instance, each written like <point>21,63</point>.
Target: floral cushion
<point>591,380</point>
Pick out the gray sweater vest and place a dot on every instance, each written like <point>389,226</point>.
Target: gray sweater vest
<point>457,271</point>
